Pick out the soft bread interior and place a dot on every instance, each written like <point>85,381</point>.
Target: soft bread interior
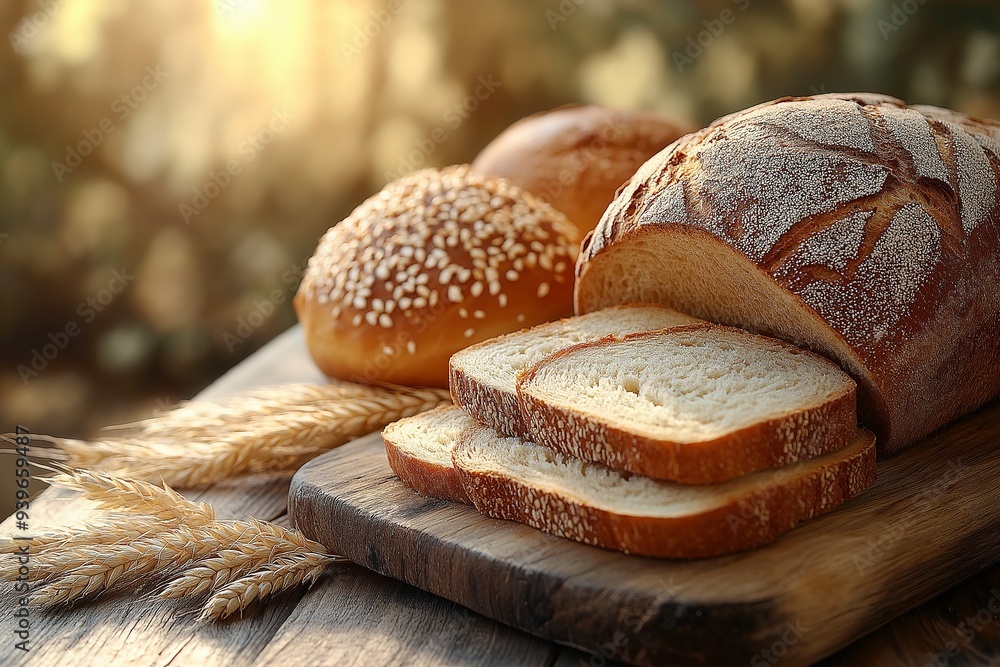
<point>482,450</point>
<point>496,363</point>
<point>429,436</point>
<point>694,272</point>
<point>685,385</point>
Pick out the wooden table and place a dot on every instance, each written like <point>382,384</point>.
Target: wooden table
<point>356,617</point>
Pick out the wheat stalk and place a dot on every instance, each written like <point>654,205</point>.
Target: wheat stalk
<point>242,560</point>
<point>118,528</point>
<point>271,432</point>
<point>282,573</point>
<point>139,496</point>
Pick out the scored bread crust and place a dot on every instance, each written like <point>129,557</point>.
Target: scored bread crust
<point>421,475</point>
<point>851,223</point>
<point>799,434</point>
<point>496,407</point>
<point>739,523</point>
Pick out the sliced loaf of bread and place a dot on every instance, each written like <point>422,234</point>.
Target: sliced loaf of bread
<point>419,451</point>
<point>483,377</point>
<point>696,404</point>
<point>511,478</point>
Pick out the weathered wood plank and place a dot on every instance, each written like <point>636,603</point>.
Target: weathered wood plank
<point>391,623</point>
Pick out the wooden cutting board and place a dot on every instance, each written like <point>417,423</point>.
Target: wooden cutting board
<point>932,520</point>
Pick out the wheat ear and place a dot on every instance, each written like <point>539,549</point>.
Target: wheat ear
<point>271,432</point>
<point>284,572</point>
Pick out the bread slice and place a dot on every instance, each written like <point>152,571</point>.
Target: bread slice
<point>697,404</point>
<point>483,377</point>
<point>511,478</point>
<point>419,451</point>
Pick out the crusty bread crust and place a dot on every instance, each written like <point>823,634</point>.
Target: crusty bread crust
<point>425,477</point>
<point>421,475</point>
<point>738,524</point>
<point>794,436</point>
<point>878,222</point>
<point>494,407</point>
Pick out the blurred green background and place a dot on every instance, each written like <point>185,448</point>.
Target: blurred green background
<point>166,166</point>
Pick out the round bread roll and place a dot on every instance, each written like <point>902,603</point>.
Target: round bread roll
<point>576,158</point>
<point>436,261</point>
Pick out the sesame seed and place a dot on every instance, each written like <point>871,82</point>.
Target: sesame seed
<point>384,256</point>
<point>543,289</point>
<point>469,332</point>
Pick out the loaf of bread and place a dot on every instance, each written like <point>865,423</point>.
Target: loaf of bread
<point>849,223</point>
<point>484,376</point>
<point>513,479</point>
<point>696,404</point>
<point>576,157</point>
<point>437,261</point>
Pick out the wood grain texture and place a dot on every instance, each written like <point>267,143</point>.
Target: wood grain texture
<point>929,522</point>
<point>360,612</point>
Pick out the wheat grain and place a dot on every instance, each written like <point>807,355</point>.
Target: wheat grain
<point>273,433</point>
<point>87,570</point>
<point>116,528</point>
<point>282,573</point>
<point>134,495</point>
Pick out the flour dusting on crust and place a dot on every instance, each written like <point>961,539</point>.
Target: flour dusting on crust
<point>669,204</point>
<point>834,246</point>
<point>913,133</point>
<point>826,121</point>
<point>751,183</point>
<point>866,309</point>
<point>977,186</point>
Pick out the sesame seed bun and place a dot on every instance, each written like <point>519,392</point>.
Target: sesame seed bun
<point>436,261</point>
<point>575,158</point>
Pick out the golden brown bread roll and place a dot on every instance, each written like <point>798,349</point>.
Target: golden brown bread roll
<point>575,158</point>
<point>861,227</point>
<point>436,261</point>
